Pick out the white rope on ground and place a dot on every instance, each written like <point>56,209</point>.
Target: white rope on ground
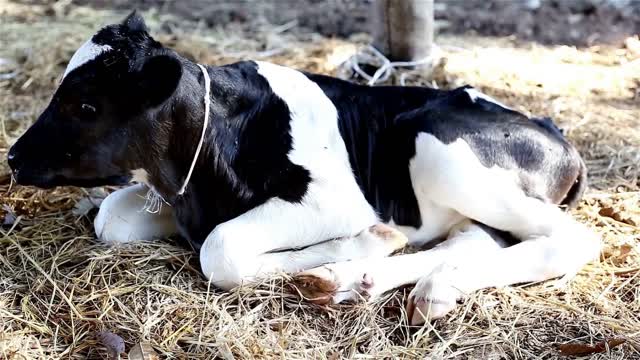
<point>371,56</point>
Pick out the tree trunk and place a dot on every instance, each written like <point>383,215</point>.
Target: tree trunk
<point>403,29</point>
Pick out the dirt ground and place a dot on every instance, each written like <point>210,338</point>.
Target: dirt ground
<point>573,22</point>
<point>59,287</point>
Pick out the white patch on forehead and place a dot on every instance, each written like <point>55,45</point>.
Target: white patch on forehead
<point>475,95</point>
<point>87,52</point>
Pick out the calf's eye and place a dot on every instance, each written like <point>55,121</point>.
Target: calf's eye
<point>88,108</point>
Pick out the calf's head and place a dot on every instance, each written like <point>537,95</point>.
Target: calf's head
<point>102,117</point>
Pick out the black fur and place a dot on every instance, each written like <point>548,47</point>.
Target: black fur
<point>378,156</point>
<point>245,162</point>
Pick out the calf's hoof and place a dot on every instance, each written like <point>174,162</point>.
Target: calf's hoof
<point>318,285</point>
<point>335,283</point>
<point>434,296</point>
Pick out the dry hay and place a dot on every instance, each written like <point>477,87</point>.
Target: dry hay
<point>59,287</point>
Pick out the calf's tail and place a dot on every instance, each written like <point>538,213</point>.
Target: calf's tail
<point>578,188</point>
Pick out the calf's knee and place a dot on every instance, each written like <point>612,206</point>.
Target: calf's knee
<point>224,261</point>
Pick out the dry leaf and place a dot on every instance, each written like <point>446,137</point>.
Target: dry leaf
<point>620,254</point>
<point>607,211</point>
<point>627,218</point>
<point>9,216</point>
<point>625,250</point>
<point>577,349</point>
<point>143,351</point>
<point>619,215</point>
<point>113,343</point>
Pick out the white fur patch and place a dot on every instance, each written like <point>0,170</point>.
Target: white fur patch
<point>333,207</point>
<point>475,95</point>
<point>319,148</point>
<point>87,52</point>
<point>452,176</point>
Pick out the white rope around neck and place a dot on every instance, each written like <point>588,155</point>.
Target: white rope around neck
<point>207,105</point>
<point>153,201</point>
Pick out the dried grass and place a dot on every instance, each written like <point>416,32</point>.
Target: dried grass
<point>59,287</point>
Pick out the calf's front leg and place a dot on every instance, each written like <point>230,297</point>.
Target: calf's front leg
<point>280,236</point>
<point>122,217</point>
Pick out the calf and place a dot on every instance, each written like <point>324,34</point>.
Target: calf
<point>263,168</point>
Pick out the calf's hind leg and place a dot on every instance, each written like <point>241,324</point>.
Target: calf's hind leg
<point>553,244</point>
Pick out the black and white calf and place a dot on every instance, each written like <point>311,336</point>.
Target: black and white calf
<point>301,172</point>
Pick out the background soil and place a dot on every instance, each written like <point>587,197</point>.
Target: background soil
<point>573,22</point>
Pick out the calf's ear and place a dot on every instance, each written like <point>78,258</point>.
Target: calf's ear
<point>134,22</point>
<point>159,78</point>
